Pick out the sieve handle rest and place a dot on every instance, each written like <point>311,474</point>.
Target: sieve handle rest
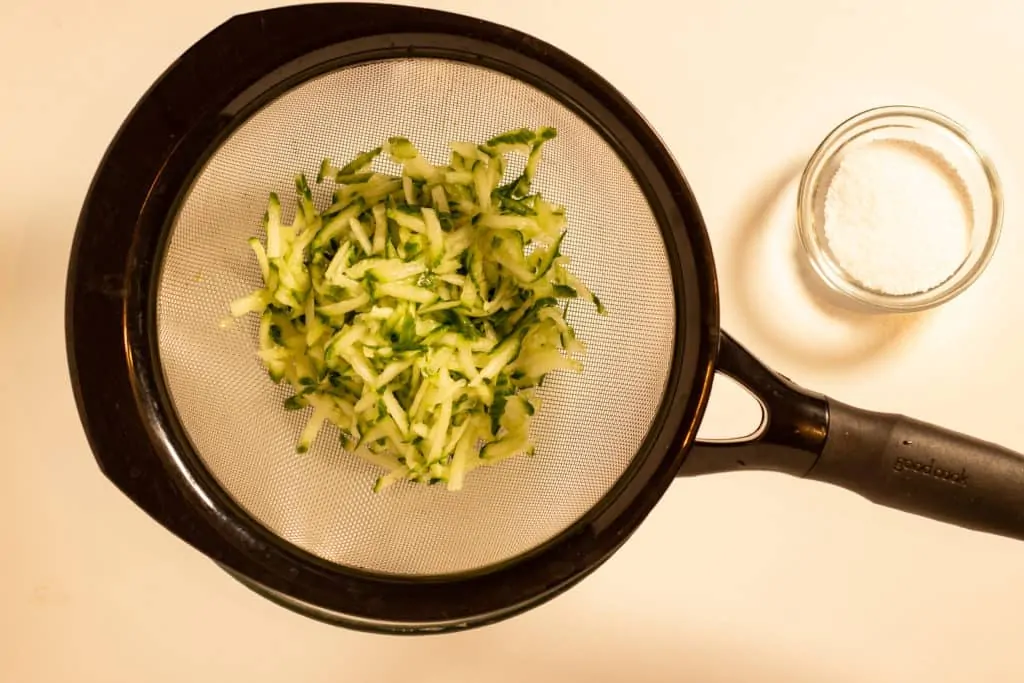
<point>923,469</point>
<point>793,429</point>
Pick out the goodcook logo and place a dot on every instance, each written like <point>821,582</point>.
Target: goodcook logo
<point>930,469</point>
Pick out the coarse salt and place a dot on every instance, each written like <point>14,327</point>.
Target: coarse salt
<point>897,217</point>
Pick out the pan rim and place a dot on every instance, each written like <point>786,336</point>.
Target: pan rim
<point>114,270</point>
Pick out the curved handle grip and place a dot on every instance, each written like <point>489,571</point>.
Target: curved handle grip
<point>916,467</point>
<point>889,459</point>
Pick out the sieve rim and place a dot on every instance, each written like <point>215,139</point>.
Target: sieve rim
<point>114,269</point>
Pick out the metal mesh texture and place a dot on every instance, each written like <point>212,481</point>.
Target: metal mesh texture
<point>590,424</point>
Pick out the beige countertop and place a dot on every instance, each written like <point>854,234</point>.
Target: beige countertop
<point>750,577</point>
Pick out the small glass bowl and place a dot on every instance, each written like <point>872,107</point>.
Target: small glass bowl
<point>917,126</point>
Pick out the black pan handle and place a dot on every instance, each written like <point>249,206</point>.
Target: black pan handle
<point>889,459</point>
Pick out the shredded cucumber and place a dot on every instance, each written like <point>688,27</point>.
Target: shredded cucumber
<point>419,313</point>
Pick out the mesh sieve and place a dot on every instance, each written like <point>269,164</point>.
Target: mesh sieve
<point>590,425</point>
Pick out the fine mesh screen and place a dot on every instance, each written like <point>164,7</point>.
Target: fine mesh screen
<point>590,424</point>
